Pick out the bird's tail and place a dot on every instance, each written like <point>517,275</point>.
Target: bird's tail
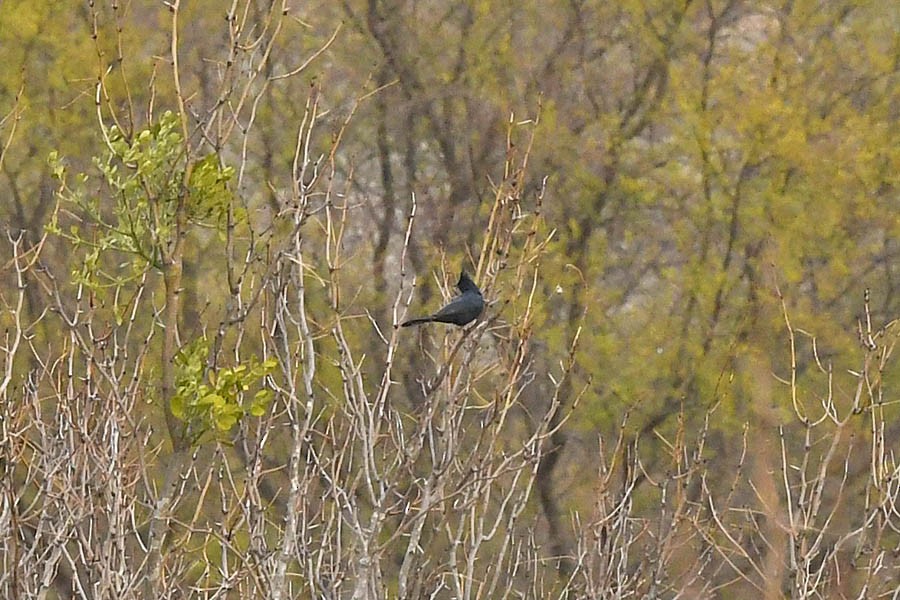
<point>417,321</point>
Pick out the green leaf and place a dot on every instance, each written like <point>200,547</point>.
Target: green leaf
<point>260,403</point>
<point>225,421</point>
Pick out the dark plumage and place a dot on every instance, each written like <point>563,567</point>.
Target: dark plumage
<point>462,310</point>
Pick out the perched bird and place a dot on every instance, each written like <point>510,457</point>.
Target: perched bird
<point>462,310</point>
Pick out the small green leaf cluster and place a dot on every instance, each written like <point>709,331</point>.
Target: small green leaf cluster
<point>213,400</point>
<point>210,197</point>
<point>146,199</point>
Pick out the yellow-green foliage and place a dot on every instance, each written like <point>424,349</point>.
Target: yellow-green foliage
<point>212,400</point>
<point>142,190</point>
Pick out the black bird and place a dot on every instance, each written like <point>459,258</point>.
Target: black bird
<point>462,310</point>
